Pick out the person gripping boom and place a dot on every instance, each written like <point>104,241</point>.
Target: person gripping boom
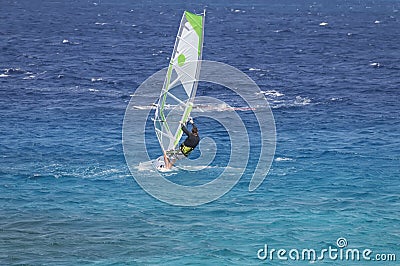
<point>190,143</point>
<point>192,139</point>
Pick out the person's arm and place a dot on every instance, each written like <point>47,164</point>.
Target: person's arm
<point>192,122</point>
<point>185,129</point>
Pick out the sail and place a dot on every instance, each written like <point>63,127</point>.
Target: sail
<point>180,85</point>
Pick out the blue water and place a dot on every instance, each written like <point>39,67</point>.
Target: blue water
<point>68,68</point>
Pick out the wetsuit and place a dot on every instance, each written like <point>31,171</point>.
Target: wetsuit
<point>190,142</point>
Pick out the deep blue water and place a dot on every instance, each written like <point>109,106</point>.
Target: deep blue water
<point>68,68</point>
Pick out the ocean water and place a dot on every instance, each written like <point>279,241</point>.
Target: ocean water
<point>329,69</point>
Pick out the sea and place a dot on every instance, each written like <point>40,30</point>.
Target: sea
<point>330,71</point>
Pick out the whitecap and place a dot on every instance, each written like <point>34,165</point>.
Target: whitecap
<point>283,159</point>
<point>101,23</point>
<point>3,75</point>
<point>145,166</point>
<point>375,64</point>
<point>323,24</point>
<point>302,100</point>
<point>377,21</point>
<point>93,90</point>
<point>254,69</point>
<point>14,71</point>
<point>284,31</point>
<point>96,79</point>
<point>66,41</point>
<point>30,77</point>
<point>272,93</point>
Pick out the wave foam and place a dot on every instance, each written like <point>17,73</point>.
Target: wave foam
<point>272,93</point>
<point>302,100</point>
<point>283,159</point>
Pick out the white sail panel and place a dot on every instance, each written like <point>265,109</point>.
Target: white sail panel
<point>187,50</point>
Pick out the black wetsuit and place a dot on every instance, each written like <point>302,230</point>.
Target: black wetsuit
<point>190,142</point>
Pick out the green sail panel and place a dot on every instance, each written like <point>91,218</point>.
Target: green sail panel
<point>197,23</point>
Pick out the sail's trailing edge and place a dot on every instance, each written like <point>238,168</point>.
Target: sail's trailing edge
<point>180,85</point>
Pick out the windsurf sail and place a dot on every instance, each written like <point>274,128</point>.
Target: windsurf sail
<point>178,92</point>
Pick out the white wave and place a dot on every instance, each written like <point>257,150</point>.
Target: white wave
<point>272,93</point>
<point>195,167</point>
<point>3,75</point>
<point>96,79</point>
<point>149,167</point>
<point>106,172</point>
<point>323,24</point>
<point>254,69</point>
<point>285,103</point>
<point>302,100</point>
<point>335,99</point>
<point>283,30</point>
<point>101,23</point>
<point>14,71</point>
<point>283,159</point>
<point>375,64</point>
<point>66,41</point>
<point>30,77</point>
<point>377,22</point>
<point>221,108</point>
<point>93,90</point>
<point>158,52</point>
<point>145,166</point>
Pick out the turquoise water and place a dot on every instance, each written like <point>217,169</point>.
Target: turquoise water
<point>67,71</point>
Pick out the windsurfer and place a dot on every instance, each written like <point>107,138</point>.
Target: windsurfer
<point>192,139</point>
<point>191,142</point>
